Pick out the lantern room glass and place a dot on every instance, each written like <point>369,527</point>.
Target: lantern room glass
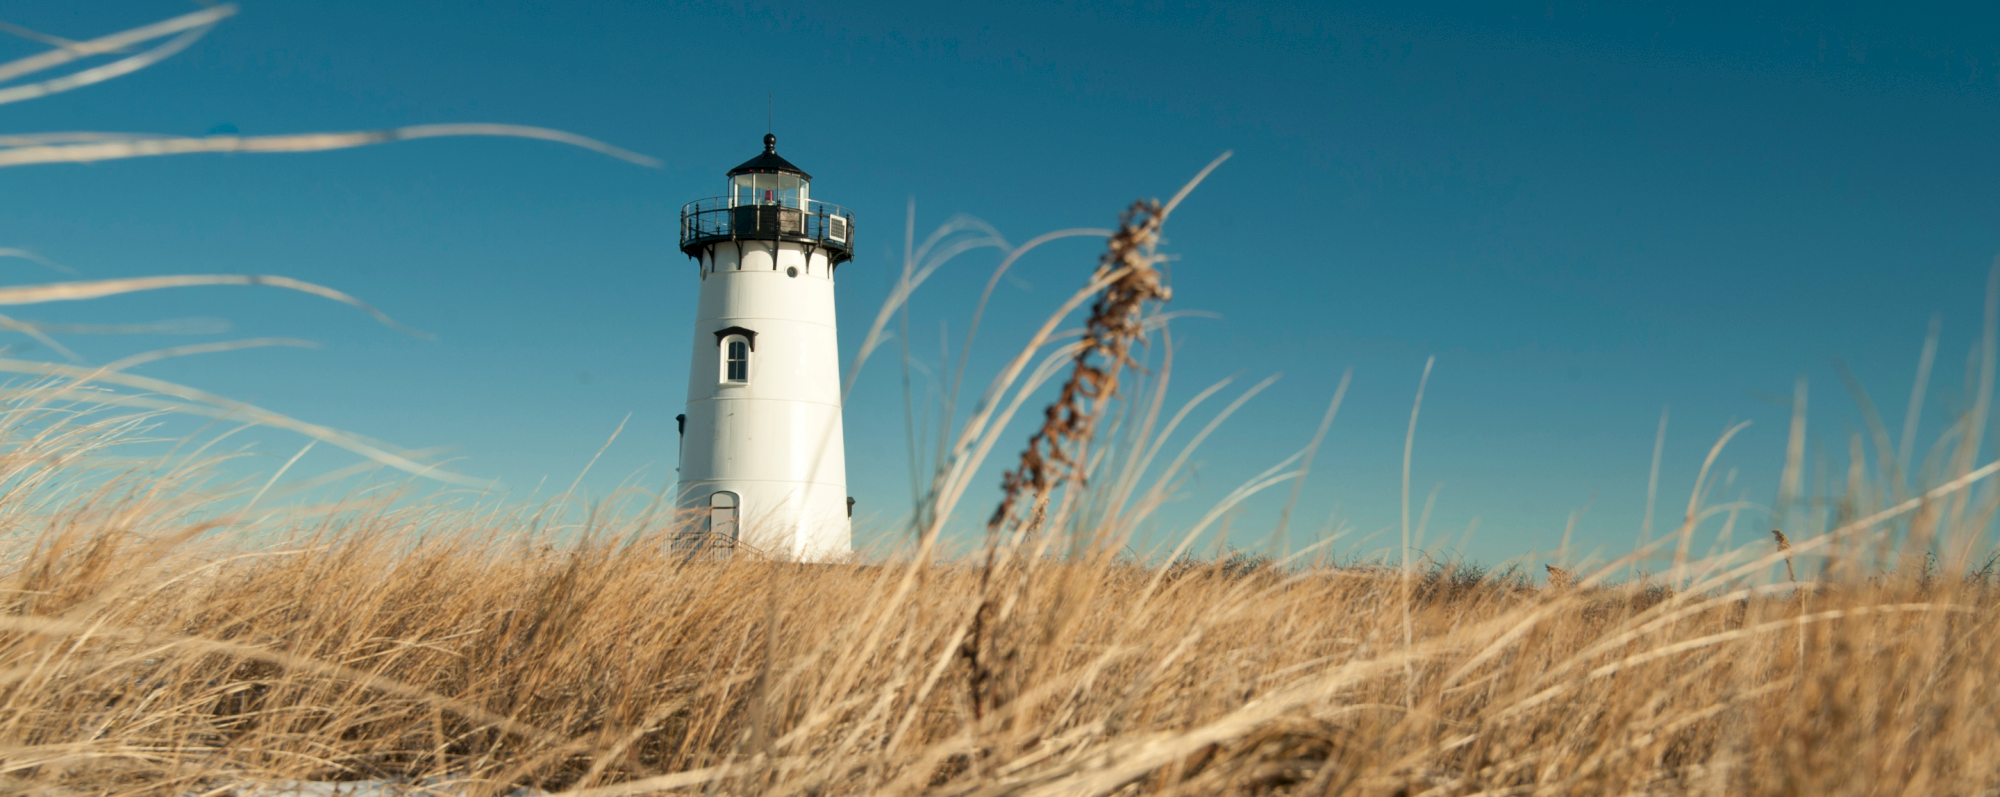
<point>780,190</point>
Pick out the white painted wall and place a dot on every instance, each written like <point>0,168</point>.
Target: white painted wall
<point>774,441</point>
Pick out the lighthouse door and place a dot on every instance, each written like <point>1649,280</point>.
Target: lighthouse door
<point>722,516</point>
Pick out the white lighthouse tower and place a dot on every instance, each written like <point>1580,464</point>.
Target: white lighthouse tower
<point>762,457</point>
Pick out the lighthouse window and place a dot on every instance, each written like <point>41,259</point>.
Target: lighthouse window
<point>767,189</point>
<point>735,359</point>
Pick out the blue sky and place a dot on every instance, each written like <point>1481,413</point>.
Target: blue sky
<point>1585,212</point>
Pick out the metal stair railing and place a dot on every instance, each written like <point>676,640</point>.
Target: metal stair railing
<point>708,546</point>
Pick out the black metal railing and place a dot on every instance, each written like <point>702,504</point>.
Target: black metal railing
<point>705,221</point>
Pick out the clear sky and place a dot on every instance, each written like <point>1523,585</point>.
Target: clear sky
<point>1586,211</point>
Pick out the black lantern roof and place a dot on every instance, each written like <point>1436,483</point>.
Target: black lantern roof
<point>787,217</point>
<point>769,162</point>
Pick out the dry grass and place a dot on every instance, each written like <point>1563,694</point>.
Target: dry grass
<point>399,643</point>
<point>155,640</point>
<point>156,636</point>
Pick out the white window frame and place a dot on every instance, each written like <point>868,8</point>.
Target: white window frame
<point>749,357</point>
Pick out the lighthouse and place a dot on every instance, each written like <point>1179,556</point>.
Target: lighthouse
<point>762,459</point>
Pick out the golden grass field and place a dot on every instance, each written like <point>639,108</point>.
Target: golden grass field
<point>398,643</point>
<point>163,632</point>
<point>158,637</point>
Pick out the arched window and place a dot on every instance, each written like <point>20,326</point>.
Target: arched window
<point>734,347</point>
<point>722,508</point>
<point>735,359</point>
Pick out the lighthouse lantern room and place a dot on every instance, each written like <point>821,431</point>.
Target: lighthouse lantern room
<point>762,461</point>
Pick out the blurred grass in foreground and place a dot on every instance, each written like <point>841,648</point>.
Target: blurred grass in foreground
<point>158,637</point>
<point>410,643</point>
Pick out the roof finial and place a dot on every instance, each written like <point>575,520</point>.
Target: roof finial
<point>770,142</point>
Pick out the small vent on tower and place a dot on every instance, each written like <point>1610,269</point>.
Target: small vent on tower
<point>836,228</point>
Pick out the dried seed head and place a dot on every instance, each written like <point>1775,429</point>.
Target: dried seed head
<point>1785,545</point>
<point>1560,579</point>
<point>1056,452</point>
